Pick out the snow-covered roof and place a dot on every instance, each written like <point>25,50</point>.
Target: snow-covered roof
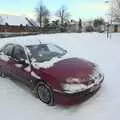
<point>116,23</point>
<point>16,20</point>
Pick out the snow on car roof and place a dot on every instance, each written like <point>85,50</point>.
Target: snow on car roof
<point>24,41</point>
<point>28,41</point>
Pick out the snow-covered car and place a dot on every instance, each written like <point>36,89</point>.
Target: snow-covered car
<point>49,71</point>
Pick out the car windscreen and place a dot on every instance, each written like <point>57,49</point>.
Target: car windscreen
<point>45,52</point>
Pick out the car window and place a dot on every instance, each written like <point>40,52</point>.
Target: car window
<point>45,52</point>
<point>43,49</point>
<point>19,53</point>
<point>8,50</point>
<point>55,48</point>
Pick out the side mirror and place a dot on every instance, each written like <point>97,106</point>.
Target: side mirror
<point>23,62</point>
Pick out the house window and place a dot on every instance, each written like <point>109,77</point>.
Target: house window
<point>116,28</point>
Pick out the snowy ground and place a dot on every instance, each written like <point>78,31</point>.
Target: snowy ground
<point>18,103</point>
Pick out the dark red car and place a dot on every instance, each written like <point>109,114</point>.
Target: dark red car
<point>49,72</point>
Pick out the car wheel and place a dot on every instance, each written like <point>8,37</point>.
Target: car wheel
<point>45,94</point>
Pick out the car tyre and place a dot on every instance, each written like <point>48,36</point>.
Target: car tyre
<point>45,94</point>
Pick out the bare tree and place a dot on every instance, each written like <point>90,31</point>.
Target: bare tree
<point>42,14</point>
<point>115,9</point>
<point>63,14</point>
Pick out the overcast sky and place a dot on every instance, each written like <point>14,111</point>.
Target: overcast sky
<point>85,9</point>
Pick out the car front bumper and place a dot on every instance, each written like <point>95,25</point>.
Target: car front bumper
<point>73,98</point>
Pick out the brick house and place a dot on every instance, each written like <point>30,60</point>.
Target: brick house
<point>16,24</point>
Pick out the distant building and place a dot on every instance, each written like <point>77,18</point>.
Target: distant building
<point>87,26</point>
<point>14,24</point>
<point>115,27</point>
<point>73,26</point>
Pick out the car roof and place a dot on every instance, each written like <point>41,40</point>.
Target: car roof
<point>29,41</point>
<point>25,42</point>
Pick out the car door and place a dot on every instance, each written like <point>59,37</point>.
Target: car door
<point>21,68</point>
<point>5,58</point>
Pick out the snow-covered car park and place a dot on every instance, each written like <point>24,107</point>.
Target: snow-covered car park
<point>17,101</point>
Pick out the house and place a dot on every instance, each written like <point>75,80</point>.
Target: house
<point>73,26</point>
<point>115,26</point>
<point>17,24</point>
<point>87,26</point>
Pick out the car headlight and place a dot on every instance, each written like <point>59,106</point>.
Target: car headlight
<point>73,88</point>
<point>97,74</point>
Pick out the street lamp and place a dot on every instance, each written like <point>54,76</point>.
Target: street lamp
<point>109,24</point>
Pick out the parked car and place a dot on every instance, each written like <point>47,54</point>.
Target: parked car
<point>49,72</point>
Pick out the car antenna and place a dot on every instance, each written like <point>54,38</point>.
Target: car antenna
<point>39,40</point>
